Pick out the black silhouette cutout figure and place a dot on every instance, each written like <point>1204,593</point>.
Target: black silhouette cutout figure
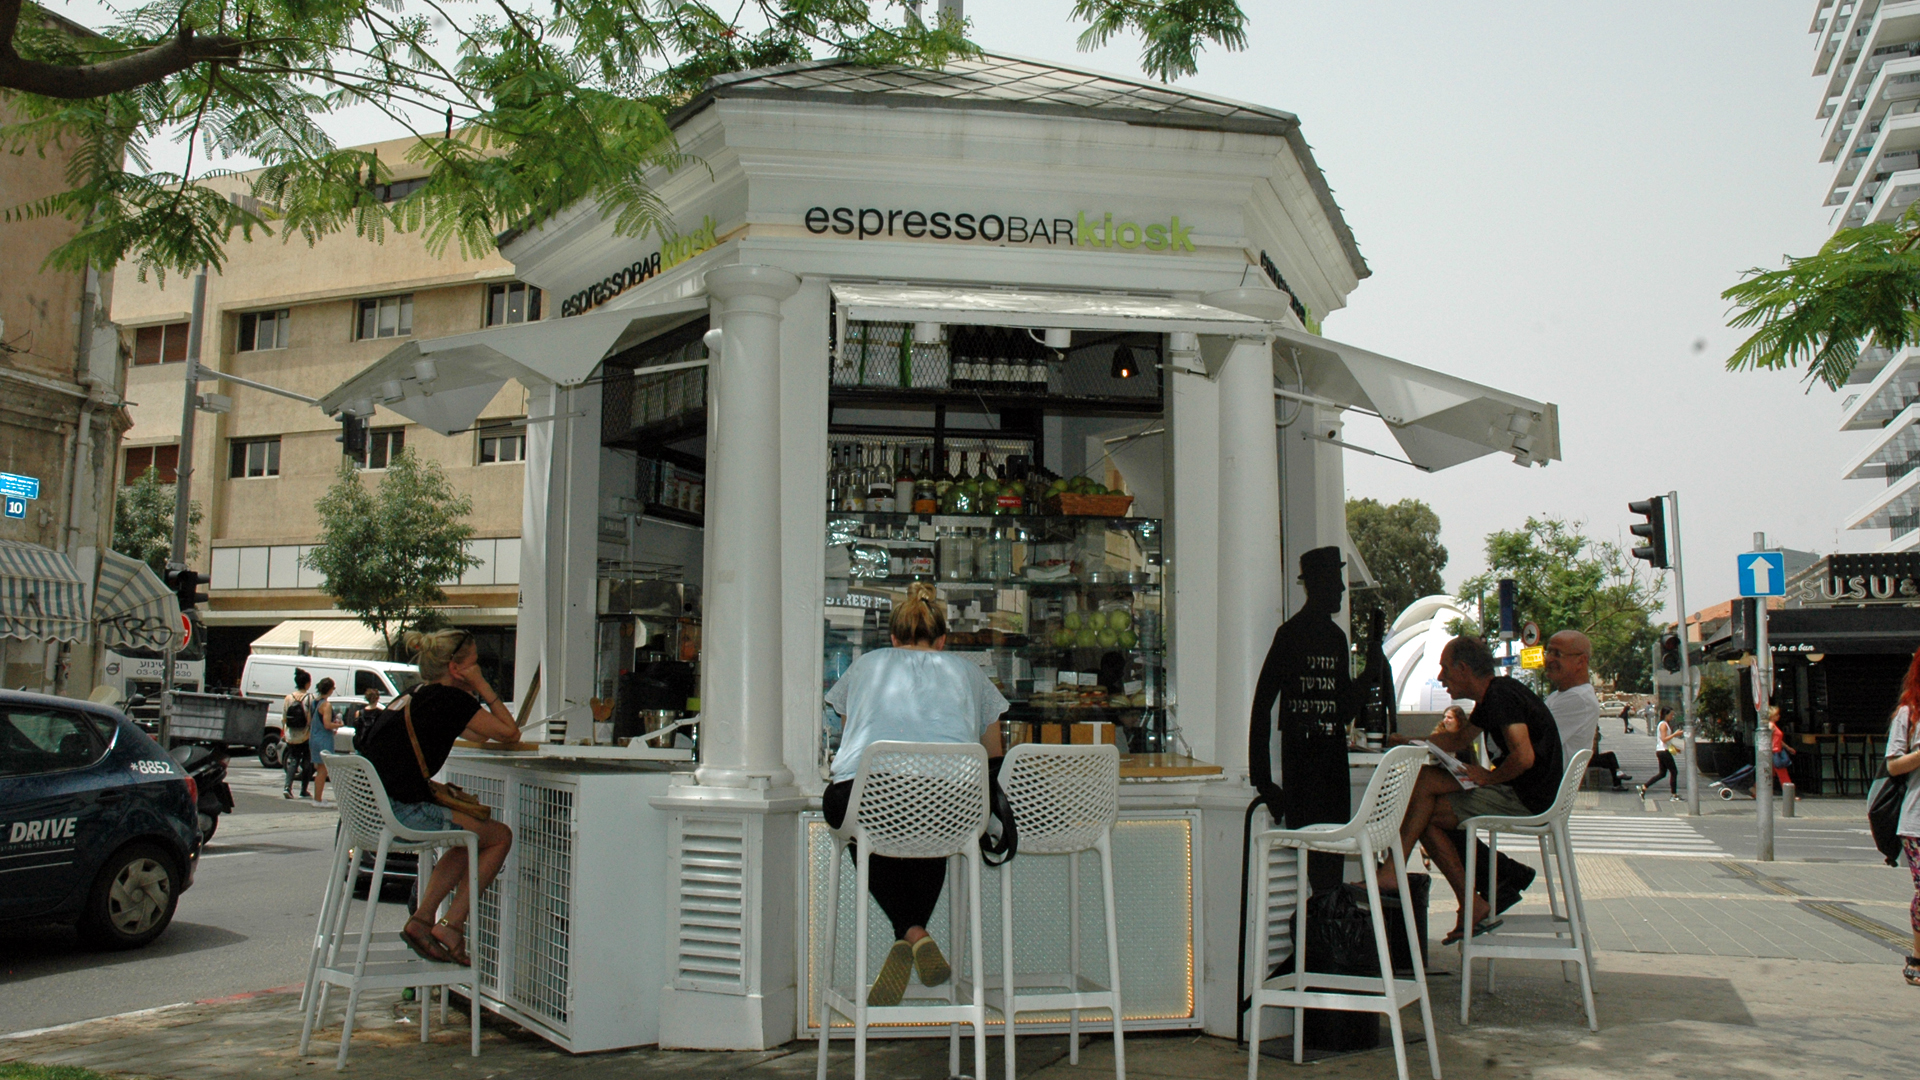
<point>1307,673</point>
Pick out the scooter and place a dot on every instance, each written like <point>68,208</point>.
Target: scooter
<point>208,767</point>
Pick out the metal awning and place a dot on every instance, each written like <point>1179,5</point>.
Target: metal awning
<point>1038,310</point>
<point>443,383</point>
<point>41,596</point>
<point>342,639</point>
<point>1439,420</point>
<point>133,608</point>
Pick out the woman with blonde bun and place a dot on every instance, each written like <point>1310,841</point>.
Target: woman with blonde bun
<point>451,700</point>
<point>913,692</point>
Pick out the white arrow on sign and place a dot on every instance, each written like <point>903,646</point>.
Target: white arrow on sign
<point>1760,570</point>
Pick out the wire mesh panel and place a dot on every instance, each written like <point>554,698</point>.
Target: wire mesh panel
<point>543,931</point>
<point>484,927</point>
<point>1153,877</point>
<point>710,905</point>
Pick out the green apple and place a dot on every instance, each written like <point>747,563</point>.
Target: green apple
<point>1086,638</point>
<point>1063,639</point>
<point>1107,638</point>
<point>1072,621</point>
<point>1128,639</point>
<point>1120,620</point>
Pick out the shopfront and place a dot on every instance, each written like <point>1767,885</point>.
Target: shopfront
<point>898,309</point>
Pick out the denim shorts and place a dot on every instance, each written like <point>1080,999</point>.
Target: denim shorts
<point>424,816</point>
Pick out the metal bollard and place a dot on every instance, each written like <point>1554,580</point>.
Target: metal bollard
<point>1787,792</point>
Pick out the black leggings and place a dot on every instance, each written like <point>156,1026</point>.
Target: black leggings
<point>906,889</point>
<point>297,761</point>
<point>1667,770</point>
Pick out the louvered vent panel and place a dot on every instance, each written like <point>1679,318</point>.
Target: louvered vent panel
<point>711,909</point>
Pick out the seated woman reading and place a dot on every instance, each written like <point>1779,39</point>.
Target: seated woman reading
<point>913,692</point>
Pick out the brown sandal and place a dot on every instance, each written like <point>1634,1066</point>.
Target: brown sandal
<point>426,946</point>
<point>456,952</point>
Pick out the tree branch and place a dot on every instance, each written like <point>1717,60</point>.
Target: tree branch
<point>111,76</point>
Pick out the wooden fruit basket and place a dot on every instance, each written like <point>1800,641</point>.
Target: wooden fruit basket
<point>1074,505</point>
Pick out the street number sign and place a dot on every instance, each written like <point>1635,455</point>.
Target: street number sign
<point>1762,573</point>
<point>26,487</point>
<point>16,506</point>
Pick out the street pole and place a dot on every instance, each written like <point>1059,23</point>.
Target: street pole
<point>183,482</point>
<point>1686,663</point>
<point>1762,731</point>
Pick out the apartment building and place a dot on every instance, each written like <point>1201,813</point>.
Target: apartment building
<point>1867,58</point>
<point>304,318</point>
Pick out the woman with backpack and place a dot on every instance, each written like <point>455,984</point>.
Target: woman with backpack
<point>296,726</point>
<point>913,692</point>
<point>1903,757</point>
<point>329,722</point>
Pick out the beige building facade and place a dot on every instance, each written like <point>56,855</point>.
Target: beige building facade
<point>304,318</point>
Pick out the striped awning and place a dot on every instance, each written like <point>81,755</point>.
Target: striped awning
<point>132,606</point>
<point>41,597</point>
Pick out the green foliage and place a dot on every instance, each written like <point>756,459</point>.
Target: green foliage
<point>21,1070</point>
<point>383,554</point>
<point>1565,580</point>
<point>143,521</point>
<point>1629,658</point>
<point>1401,545</point>
<point>1821,309</point>
<point>1715,707</point>
<point>520,109</point>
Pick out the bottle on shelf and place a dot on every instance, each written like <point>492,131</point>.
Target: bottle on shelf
<point>857,482</point>
<point>1001,371</point>
<point>959,366</point>
<point>926,499</point>
<point>902,481</point>
<point>943,479</point>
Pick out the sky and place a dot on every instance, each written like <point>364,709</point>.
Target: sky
<point>1551,198</point>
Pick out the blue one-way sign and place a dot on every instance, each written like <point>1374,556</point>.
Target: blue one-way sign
<point>1762,573</point>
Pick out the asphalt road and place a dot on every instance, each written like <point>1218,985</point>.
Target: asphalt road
<point>246,924</point>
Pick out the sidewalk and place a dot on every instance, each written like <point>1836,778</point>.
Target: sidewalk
<point>1707,967</point>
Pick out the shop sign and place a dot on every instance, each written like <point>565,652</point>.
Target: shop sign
<point>674,250</point>
<point>1866,578</point>
<point>867,223</point>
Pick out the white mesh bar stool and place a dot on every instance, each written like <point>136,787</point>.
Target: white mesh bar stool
<point>354,960</point>
<point>913,801</point>
<point>1065,800</point>
<point>1561,934</point>
<point>1373,830</point>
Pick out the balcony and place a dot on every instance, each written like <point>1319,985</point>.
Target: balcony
<point>1894,386</point>
<point>1895,149</point>
<point>1898,500</point>
<point>1893,454</point>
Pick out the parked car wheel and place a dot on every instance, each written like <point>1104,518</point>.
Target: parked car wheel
<point>133,898</point>
<point>270,753</point>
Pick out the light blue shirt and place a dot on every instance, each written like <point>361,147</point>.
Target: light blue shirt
<point>910,695</point>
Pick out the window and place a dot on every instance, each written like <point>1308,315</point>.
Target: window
<point>385,316</point>
<point>499,445</point>
<point>399,189</point>
<point>517,302</point>
<point>141,458</point>
<point>160,344</point>
<point>383,445</point>
<point>263,330</point>
<point>255,457</point>
<point>35,741</point>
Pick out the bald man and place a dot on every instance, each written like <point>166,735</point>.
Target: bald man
<point>1576,711</point>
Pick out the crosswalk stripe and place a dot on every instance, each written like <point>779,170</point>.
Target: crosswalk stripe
<point>1605,835</point>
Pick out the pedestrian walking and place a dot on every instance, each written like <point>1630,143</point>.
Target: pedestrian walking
<point>913,692</point>
<point>1782,753</point>
<point>296,726</point>
<point>1903,757</point>
<point>1668,741</point>
<point>1626,718</point>
<point>327,722</point>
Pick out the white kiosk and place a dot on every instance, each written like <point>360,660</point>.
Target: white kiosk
<point>1002,266</point>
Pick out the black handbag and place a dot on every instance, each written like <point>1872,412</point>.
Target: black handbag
<point>999,850</point>
<point>1885,799</point>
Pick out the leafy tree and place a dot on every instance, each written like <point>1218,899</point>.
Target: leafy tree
<point>1401,545</point>
<point>1716,705</point>
<point>383,554</point>
<point>1564,579</point>
<point>143,521</point>
<point>1629,659</point>
<point>520,110</point>
<point>1820,310</point>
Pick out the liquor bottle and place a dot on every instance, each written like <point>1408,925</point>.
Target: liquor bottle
<point>857,482</point>
<point>998,372</point>
<point>903,479</point>
<point>879,481</point>
<point>943,479</point>
<point>961,349</point>
<point>833,479</point>
<point>926,499</point>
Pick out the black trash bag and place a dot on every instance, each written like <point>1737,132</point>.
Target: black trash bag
<point>1340,929</point>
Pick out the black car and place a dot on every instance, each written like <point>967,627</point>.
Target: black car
<point>98,826</point>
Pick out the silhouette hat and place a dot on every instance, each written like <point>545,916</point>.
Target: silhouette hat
<point>1321,563</point>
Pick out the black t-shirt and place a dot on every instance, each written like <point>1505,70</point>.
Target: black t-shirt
<point>1506,703</point>
<point>440,714</point>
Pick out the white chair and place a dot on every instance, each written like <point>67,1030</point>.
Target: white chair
<point>1559,935</point>
<point>1373,830</point>
<point>354,960</point>
<point>912,801</point>
<point>1065,800</point>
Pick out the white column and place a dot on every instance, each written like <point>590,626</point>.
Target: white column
<point>1251,575</point>
<point>741,639</point>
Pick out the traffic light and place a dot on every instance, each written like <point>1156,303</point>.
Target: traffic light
<point>1743,628</point>
<point>186,585</point>
<point>353,436</point>
<point>1653,531</point>
<point>1670,652</point>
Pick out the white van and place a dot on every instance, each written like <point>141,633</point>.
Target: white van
<point>269,677</point>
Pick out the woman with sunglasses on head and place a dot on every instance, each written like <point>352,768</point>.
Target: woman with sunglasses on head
<point>451,700</point>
